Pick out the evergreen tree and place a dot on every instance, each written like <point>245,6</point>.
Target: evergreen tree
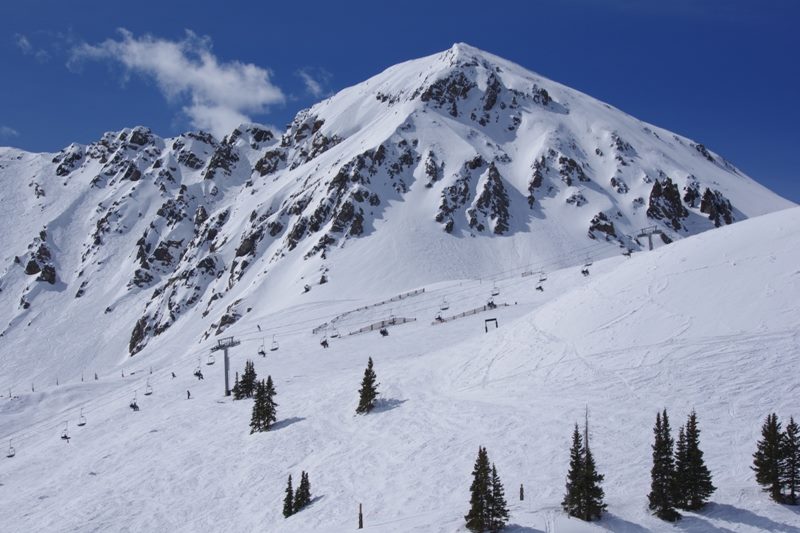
<point>790,461</point>
<point>237,390</point>
<point>584,496</point>
<point>662,475</point>
<point>248,383</point>
<point>270,409</point>
<point>288,504</point>
<point>594,494</point>
<point>573,502</point>
<point>767,459</point>
<point>369,390</point>
<point>259,403</point>
<point>679,495</point>
<point>479,517</point>
<point>302,496</point>
<point>498,506</point>
<point>696,486</point>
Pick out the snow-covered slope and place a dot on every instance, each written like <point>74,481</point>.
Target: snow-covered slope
<point>708,322</point>
<point>457,165</point>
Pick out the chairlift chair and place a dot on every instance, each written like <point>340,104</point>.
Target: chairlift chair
<point>65,433</point>
<point>148,389</point>
<point>274,346</point>
<point>444,306</point>
<point>262,349</point>
<point>495,290</point>
<point>542,277</point>
<point>81,419</point>
<point>11,451</point>
<point>334,333</point>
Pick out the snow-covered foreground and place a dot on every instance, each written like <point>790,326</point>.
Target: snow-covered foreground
<point>709,322</point>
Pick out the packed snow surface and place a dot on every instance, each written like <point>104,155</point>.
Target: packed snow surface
<point>709,322</point>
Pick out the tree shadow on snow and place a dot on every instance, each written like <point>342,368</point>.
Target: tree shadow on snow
<point>729,513</point>
<point>387,404</point>
<point>314,500</point>
<point>280,424</point>
<point>516,528</point>
<point>612,522</point>
<point>694,524</point>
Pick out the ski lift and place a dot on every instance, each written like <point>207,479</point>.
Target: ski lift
<point>444,306</point>
<point>334,333</point>
<point>262,350</point>
<point>274,346</point>
<point>542,277</point>
<point>65,433</point>
<point>210,361</point>
<point>81,419</point>
<point>148,390</point>
<point>588,262</point>
<point>197,369</point>
<point>495,290</point>
<point>11,451</point>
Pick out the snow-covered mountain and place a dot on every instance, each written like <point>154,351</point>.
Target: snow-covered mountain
<point>457,165</point>
<point>709,322</point>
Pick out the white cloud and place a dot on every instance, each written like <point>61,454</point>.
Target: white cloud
<point>220,95</point>
<point>7,132</point>
<point>27,48</point>
<point>315,80</point>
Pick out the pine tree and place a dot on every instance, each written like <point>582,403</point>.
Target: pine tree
<point>696,486</point>
<point>767,459</point>
<point>790,461</point>
<point>680,481</point>
<point>270,409</point>
<point>237,390</point>
<point>573,503</point>
<point>288,504</point>
<point>369,390</point>
<point>498,506</point>
<point>479,518</point>
<point>248,383</point>
<point>594,494</point>
<point>662,475</point>
<point>259,403</point>
<point>302,496</point>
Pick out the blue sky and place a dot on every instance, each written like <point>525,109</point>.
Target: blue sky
<point>723,72</point>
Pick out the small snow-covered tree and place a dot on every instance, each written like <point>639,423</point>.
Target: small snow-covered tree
<point>369,390</point>
<point>695,482</point>
<point>767,458</point>
<point>790,461</point>
<point>288,500</point>
<point>302,496</point>
<point>662,475</point>
<point>498,505</point>
<point>479,517</point>
<point>270,414</point>
<point>259,406</point>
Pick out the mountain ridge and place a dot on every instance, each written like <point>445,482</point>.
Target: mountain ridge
<point>456,161</point>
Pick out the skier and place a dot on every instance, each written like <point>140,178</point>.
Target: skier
<point>188,395</point>
<point>324,343</point>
